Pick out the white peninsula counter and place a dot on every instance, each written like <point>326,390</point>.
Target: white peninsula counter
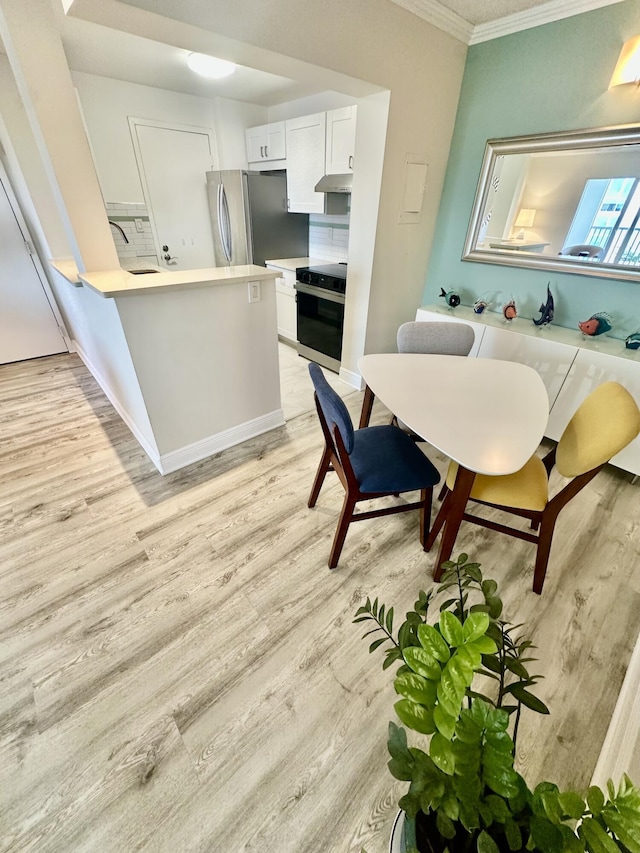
<point>189,359</point>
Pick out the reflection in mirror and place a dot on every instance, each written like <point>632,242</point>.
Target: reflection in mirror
<point>560,201</point>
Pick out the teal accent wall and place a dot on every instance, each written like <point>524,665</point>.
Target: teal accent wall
<point>549,78</point>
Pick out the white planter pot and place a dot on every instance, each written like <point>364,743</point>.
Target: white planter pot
<point>397,844</point>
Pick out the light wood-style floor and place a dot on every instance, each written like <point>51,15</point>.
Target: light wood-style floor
<point>178,666</point>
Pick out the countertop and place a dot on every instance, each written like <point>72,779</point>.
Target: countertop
<point>292,264</point>
<point>110,283</point>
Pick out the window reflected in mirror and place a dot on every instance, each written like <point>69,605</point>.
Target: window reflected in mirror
<point>560,201</point>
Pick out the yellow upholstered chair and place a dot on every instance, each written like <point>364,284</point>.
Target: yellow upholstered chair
<point>606,422</point>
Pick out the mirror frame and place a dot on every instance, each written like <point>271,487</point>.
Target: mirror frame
<point>605,137</point>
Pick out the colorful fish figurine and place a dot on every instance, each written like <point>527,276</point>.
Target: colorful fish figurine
<point>597,324</point>
<point>633,341</point>
<point>546,310</point>
<point>509,310</point>
<point>480,306</point>
<point>450,297</point>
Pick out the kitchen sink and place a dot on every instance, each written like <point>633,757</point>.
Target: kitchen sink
<point>141,272</point>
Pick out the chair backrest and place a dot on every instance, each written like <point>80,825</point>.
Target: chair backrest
<point>332,406</point>
<point>602,426</point>
<point>583,250</point>
<point>444,338</point>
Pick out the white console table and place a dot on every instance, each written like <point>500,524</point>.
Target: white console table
<point>570,366</point>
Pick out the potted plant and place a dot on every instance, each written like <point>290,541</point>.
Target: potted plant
<point>464,791</point>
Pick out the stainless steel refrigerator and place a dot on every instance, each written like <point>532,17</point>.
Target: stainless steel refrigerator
<point>250,220</point>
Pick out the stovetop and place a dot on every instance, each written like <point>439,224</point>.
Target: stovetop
<point>328,276</point>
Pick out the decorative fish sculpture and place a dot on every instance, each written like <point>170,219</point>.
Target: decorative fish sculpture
<point>546,310</point>
<point>509,310</point>
<point>597,324</point>
<point>450,297</point>
<point>480,306</point>
<point>633,341</point>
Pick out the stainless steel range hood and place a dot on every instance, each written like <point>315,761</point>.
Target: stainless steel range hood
<point>335,184</point>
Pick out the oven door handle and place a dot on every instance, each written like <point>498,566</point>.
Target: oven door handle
<point>320,293</point>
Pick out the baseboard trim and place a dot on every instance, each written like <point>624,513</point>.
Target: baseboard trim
<point>149,449</point>
<point>166,463</point>
<point>351,378</point>
<point>169,462</point>
<point>621,748</point>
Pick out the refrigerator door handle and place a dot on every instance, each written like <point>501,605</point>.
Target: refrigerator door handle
<point>224,224</point>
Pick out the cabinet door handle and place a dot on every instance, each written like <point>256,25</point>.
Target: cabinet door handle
<point>262,150</point>
<point>266,151</point>
<point>351,161</point>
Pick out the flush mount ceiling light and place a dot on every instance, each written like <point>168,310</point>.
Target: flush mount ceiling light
<point>210,66</point>
<point>628,68</point>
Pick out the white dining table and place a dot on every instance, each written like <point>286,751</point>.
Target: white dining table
<point>485,414</point>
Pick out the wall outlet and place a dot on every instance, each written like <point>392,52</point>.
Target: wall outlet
<point>139,225</point>
<point>254,291</point>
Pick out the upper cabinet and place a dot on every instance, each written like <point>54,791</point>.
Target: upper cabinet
<point>266,142</point>
<point>309,147</point>
<point>340,141</point>
<point>305,142</point>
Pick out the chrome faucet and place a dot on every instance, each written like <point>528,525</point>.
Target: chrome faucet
<point>115,225</point>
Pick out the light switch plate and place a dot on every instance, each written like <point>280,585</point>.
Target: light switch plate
<point>254,291</point>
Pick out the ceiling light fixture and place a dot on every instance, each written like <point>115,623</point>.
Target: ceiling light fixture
<point>628,68</point>
<point>210,66</point>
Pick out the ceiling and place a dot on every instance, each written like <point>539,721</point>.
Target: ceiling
<point>96,49</point>
<point>474,21</point>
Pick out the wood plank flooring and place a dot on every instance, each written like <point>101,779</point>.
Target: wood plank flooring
<point>178,667</point>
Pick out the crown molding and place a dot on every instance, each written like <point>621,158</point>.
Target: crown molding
<point>555,10</point>
<point>441,17</point>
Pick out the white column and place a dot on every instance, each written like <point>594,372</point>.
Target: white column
<point>32,41</point>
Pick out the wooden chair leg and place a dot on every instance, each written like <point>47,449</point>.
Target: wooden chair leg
<point>440,520</point>
<point>426,496</point>
<point>321,473</point>
<point>544,547</point>
<point>346,515</point>
<point>443,492</point>
<point>367,406</point>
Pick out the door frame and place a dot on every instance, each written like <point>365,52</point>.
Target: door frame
<point>32,248</point>
<point>165,125</point>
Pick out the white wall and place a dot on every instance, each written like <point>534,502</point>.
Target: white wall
<point>94,326</point>
<point>206,359</point>
<point>231,120</point>
<point>358,48</point>
<point>319,103</point>
<point>107,104</point>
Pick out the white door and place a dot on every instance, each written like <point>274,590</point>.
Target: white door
<point>173,164</point>
<point>28,328</point>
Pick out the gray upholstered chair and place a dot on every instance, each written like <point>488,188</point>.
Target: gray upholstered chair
<point>593,253</point>
<point>444,338</point>
<point>373,462</point>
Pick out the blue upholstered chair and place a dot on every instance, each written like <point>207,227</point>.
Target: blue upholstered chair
<point>372,462</point>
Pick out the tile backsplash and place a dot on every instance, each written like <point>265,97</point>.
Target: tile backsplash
<point>328,237</point>
<point>127,215</point>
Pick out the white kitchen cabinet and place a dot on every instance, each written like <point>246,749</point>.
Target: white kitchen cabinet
<point>340,141</point>
<point>286,304</point>
<point>570,366</point>
<point>305,143</point>
<point>266,142</point>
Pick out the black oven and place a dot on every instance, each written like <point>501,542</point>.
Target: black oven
<point>320,297</point>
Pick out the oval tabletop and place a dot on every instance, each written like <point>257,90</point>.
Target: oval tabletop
<point>487,415</point>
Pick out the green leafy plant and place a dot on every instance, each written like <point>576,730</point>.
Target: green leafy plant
<point>464,792</point>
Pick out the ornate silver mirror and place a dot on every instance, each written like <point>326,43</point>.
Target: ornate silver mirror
<point>568,202</point>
